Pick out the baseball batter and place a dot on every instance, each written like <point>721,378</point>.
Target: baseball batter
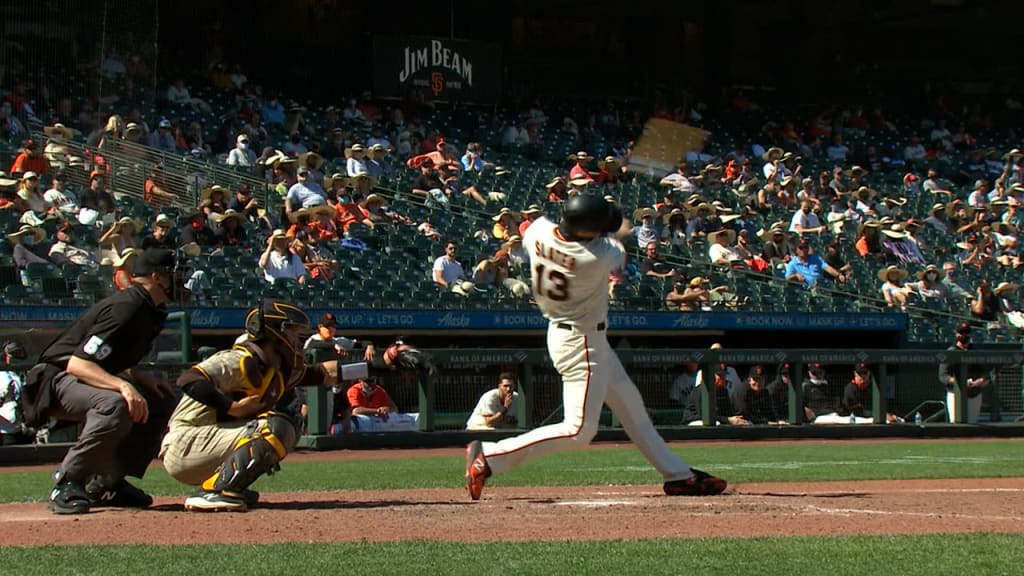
<point>570,262</point>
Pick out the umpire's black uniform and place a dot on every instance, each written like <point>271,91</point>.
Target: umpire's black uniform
<point>114,334</point>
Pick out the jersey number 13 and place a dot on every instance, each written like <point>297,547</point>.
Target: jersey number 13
<point>550,283</point>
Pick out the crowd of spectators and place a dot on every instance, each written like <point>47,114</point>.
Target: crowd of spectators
<point>823,206</point>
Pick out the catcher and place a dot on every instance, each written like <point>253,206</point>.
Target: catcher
<point>237,418</point>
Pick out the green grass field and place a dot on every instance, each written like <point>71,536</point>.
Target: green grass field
<point>740,463</point>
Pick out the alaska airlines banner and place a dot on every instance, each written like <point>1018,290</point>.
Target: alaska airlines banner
<point>497,320</point>
<point>442,69</point>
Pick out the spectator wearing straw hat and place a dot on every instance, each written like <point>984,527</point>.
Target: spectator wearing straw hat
<point>930,289</point>
<point>898,246</point>
<point>579,169</point>
<point>375,163</point>
<point>122,264</point>
<point>557,189</point>
<point>121,235</point>
<point>504,224</point>
<point>314,163</point>
<point>531,213</point>
<point>1008,306</point>
<point>610,171</point>
<point>29,247</point>
<point>56,150</point>
<point>230,229</point>
<point>893,290</point>
<point>647,232</point>
<point>278,261</point>
<point>720,247</point>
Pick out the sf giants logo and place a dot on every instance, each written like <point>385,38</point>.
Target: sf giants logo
<point>436,83</point>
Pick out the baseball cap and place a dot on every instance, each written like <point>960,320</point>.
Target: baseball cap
<point>697,281</point>
<point>816,370</point>
<point>15,350</point>
<point>153,261</point>
<point>164,123</point>
<point>96,174</point>
<point>164,220</point>
<point>29,175</point>
<point>328,320</point>
<point>963,328</point>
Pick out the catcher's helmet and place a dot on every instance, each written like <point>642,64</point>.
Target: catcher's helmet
<point>270,320</point>
<point>588,213</point>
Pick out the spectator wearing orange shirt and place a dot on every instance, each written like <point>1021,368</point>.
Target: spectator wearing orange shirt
<point>557,190</point>
<point>323,227</point>
<point>580,169</point>
<point>438,157</point>
<point>369,399</point>
<point>30,160</point>
<point>348,212</point>
<point>529,215</point>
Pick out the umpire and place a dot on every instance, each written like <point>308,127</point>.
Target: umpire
<point>88,375</point>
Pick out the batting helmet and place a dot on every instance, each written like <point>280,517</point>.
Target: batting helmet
<point>588,213</point>
<point>271,320</point>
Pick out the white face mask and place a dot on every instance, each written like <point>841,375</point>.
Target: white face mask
<point>243,145</point>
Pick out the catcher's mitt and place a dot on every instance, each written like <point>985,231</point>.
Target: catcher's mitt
<point>405,357</point>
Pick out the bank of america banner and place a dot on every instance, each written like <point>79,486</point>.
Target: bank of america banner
<point>443,69</point>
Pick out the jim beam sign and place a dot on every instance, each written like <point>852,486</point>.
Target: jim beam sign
<point>442,69</point>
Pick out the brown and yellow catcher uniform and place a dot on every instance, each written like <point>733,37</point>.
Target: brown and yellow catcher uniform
<point>202,434</point>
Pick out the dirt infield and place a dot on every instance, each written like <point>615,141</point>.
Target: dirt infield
<point>549,513</point>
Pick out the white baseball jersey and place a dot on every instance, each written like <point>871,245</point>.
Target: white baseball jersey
<point>570,279</point>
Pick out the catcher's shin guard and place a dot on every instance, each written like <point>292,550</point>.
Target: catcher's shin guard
<point>254,455</point>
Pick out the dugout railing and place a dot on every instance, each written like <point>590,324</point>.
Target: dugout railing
<point>905,381</point>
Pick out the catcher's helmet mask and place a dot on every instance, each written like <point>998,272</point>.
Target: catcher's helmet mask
<point>271,320</point>
<point>586,216</point>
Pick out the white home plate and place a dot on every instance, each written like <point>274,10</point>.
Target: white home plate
<point>596,503</point>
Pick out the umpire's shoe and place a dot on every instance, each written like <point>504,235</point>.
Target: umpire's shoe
<point>700,484</point>
<point>69,497</point>
<point>477,470</point>
<point>122,495</point>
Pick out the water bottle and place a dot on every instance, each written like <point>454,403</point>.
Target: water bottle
<point>853,417</point>
<point>917,417</point>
